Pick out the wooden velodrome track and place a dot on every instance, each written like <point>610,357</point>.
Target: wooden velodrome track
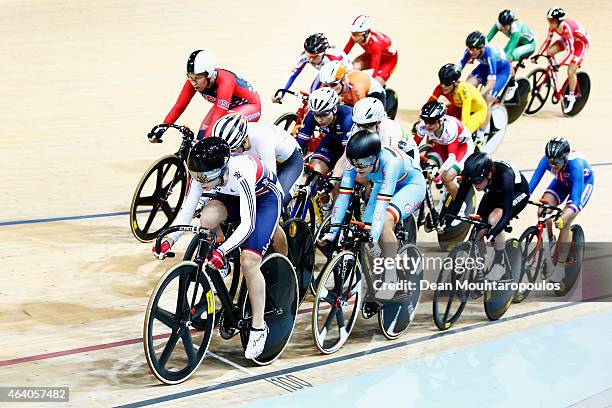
<point>82,83</point>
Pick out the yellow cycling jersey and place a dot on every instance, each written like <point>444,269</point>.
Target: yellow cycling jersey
<point>467,104</point>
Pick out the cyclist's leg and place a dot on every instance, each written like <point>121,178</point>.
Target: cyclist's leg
<point>580,50</point>
<point>252,111</point>
<point>327,154</point>
<point>523,50</point>
<point>387,66</point>
<point>450,175</point>
<point>478,76</point>
<point>289,173</point>
<point>214,213</point>
<point>571,211</point>
<point>362,62</point>
<point>500,83</point>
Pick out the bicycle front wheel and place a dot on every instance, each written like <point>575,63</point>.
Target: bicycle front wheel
<point>531,254</point>
<point>541,85</point>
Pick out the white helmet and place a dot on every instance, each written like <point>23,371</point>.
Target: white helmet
<point>201,62</point>
<point>368,110</point>
<point>232,128</point>
<point>332,72</point>
<point>323,99</point>
<point>361,24</point>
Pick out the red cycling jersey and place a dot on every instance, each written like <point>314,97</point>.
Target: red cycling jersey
<point>381,52</point>
<point>574,39</point>
<point>230,92</point>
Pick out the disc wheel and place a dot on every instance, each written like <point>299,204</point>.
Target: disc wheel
<point>573,263</point>
<point>301,252</point>
<point>583,90</point>
<point>158,197</point>
<point>516,106</point>
<point>498,301</point>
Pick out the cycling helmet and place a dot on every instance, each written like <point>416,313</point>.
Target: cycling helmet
<point>433,110</point>
<point>363,148</point>
<point>361,24</point>
<point>368,110</point>
<point>208,159</point>
<point>477,167</point>
<point>556,13</point>
<point>332,72</point>
<point>506,17</point>
<point>475,39</point>
<point>201,62</point>
<point>232,128</point>
<point>323,100</point>
<point>557,150</point>
<point>316,43</point>
<point>448,74</point>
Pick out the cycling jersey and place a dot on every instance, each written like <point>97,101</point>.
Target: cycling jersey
<point>229,92</point>
<point>331,54</point>
<point>576,180</point>
<point>380,54</point>
<point>451,147</point>
<point>398,189</point>
<point>467,104</point>
<point>257,208</point>
<point>522,40</point>
<point>360,85</point>
<point>334,138</point>
<point>493,66</point>
<point>574,39</point>
<point>508,189</point>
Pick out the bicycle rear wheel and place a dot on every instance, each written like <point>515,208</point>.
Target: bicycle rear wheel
<point>582,93</point>
<point>287,121</point>
<point>337,302</point>
<point>301,252</point>
<point>573,263</point>
<point>516,106</point>
<point>541,85</point>
<point>498,301</point>
<point>531,261</point>
<point>173,350</point>
<point>497,128</point>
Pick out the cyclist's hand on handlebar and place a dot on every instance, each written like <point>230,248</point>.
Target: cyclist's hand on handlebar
<point>277,99</point>
<point>373,249</point>
<point>216,260</point>
<point>165,247</point>
<point>156,137</point>
<point>488,239</point>
<point>327,237</point>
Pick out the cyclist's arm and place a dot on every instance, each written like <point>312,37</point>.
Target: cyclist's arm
<point>381,196</point>
<point>306,131</point>
<point>492,32</point>
<point>436,94</point>
<point>181,103</point>
<point>492,77</point>
<point>543,166</point>
<point>185,215</point>
<point>464,60</point>
<point>294,74</point>
<point>416,132</point>
<point>546,42</point>
<point>577,179</point>
<point>466,103</point>
<point>245,184</point>
<point>349,46</point>
<point>342,201</point>
<point>507,180</point>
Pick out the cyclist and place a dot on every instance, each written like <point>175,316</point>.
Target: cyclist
<point>466,103</point>
<point>350,85</point>
<point>574,181</point>
<point>248,191</point>
<point>492,73</point>
<point>506,193</point>
<point>317,52</point>
<point>574,39</point>
<point>335,122</point>
<point>380,51</point>
<point>225,89</point>
<point>369,114</point>
<point>451,143</point>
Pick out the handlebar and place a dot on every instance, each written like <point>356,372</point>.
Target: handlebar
<point>207,233</point>
<point>554,210</point>
<point>471,219</point>
<point>187,133</point>
<point>300,95</point>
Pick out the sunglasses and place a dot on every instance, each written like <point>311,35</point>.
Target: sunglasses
<point>557,162</point>
<point>363,163</point>
<point>368,126</point>
<point>323,114</point>
<point>206,176</point>
<point>313,56</point>
<point>430,121</point>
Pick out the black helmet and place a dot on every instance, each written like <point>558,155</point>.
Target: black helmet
<point>448,74</point>
<point>363,148</point>
<point>433,110</point>
<point>557,150</point>
<point>476,39</point>
<point>316,43</point>
<point>208,158</point>
<point>477,167</point>
<point>506,17</point>
<point>556,13</point>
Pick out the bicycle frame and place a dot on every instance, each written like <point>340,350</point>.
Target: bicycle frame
<point>543,239</point>
<point>553,75</point>
<point>301,111</point>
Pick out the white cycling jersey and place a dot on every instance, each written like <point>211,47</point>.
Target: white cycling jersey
<point>270,143</point>
<point>452,129</point>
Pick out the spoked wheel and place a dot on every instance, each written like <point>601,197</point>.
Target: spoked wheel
<point>173,349</point>
<point>496,130</point>
<point>541,86</point>
<point>516,106</point>
<point>457,230</point>
<point>531,262</point>
<point>406,231</point>
<point>497,302</point>
<point>287,121</point>
<point>391,103</point>
<point>582,93</point>
<point>158,197</point>
<point>301,252</point>
<point>281,307</point>
<point>450,297</point>
<point>395,317</point>
<point>337,302</point>
<point>573,263</point>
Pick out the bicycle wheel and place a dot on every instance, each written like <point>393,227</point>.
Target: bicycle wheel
<point>301,252</point>
<point>391,103</point>
<point>287,121</point>
<point>337,301</point>
<point>173,350</point>
<point>531,261</point>
<point>157,190</point>
<point>497,128</point>
<point>516,106</point>
<point>451,293</point>
<point>541,85</point>
<point>498,301</point>
<point>395,317</point>
<point>281,307</point>
<point>457,230</point>
<point>582,93</point>
<point>573,263</point>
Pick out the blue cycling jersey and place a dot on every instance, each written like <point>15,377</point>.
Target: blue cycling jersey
<point>492,57</point>
<point>393,172</point>
<point>338,131</point>
<point>577,175</point>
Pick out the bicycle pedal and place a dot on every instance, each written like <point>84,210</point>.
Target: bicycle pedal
<point>369,309</point>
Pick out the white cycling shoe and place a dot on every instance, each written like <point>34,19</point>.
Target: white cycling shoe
<point>257,341</point>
